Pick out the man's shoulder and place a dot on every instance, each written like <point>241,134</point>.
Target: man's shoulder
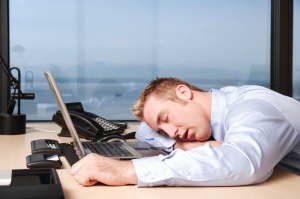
<point>244,88</point>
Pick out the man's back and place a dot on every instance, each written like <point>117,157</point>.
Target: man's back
<point>286,106</point>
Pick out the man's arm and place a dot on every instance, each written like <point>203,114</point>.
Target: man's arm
<point>95,168</point>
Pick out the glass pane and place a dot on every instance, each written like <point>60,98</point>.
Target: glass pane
<point>104,53</point>
<point>296,51</point>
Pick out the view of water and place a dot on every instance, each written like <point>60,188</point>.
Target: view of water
<point>112,100</point>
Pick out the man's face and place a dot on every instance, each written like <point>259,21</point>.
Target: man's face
<point>181,121</point>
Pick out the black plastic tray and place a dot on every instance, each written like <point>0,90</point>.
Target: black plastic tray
<point>33,184</point>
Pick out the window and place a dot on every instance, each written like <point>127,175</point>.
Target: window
<point>296,51</point>
<point>103,53</point>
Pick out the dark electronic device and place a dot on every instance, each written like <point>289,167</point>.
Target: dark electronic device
<point>43,161</point>
<point>33,184</point>
<point>88,125</point>
<point>13,123</point>
<point>47,146</point>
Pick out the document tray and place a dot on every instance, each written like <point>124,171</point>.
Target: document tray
<point>33,183</point>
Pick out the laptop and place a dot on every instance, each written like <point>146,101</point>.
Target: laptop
<point>77,149</point>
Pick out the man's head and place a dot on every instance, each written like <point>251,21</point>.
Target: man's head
<point>172,106</point>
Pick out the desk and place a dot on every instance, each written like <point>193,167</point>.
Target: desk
<point>14,149</point>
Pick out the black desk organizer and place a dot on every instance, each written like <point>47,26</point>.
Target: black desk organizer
<point>33,184</point>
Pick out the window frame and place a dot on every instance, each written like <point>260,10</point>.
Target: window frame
<point>282,46</point>
<point>4,51</point>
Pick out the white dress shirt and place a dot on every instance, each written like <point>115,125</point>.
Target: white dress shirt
<point>260,128</point>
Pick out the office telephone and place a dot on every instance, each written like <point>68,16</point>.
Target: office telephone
<point>88,125</point>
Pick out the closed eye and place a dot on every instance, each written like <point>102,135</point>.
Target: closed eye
<point>162,117</point>
<point>165,118</point>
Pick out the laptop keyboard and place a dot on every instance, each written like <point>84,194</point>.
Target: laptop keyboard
<point>109,149</point>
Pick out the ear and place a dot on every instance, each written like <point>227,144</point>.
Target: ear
<point>183,92</point>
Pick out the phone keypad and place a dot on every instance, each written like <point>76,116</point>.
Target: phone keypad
<point>106,125</point>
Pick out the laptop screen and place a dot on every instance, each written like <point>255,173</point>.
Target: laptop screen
<point>62,106</point>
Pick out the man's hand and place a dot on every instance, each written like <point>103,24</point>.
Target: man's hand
<point>95,168</point>
<point>190,145</point>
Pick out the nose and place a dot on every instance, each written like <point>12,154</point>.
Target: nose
<point>171,130</point>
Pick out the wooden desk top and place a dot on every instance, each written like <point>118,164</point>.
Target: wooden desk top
<point>15,148</point>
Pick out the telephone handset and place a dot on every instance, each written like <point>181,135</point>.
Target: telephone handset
<point>88,125</point>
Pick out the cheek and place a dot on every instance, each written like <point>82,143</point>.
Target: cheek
<point>197,119</point>
<point>184,115</point>
<point>193,114</point>
<point>189,115</point>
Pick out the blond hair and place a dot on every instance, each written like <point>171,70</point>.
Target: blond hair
<point>162,88</point>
